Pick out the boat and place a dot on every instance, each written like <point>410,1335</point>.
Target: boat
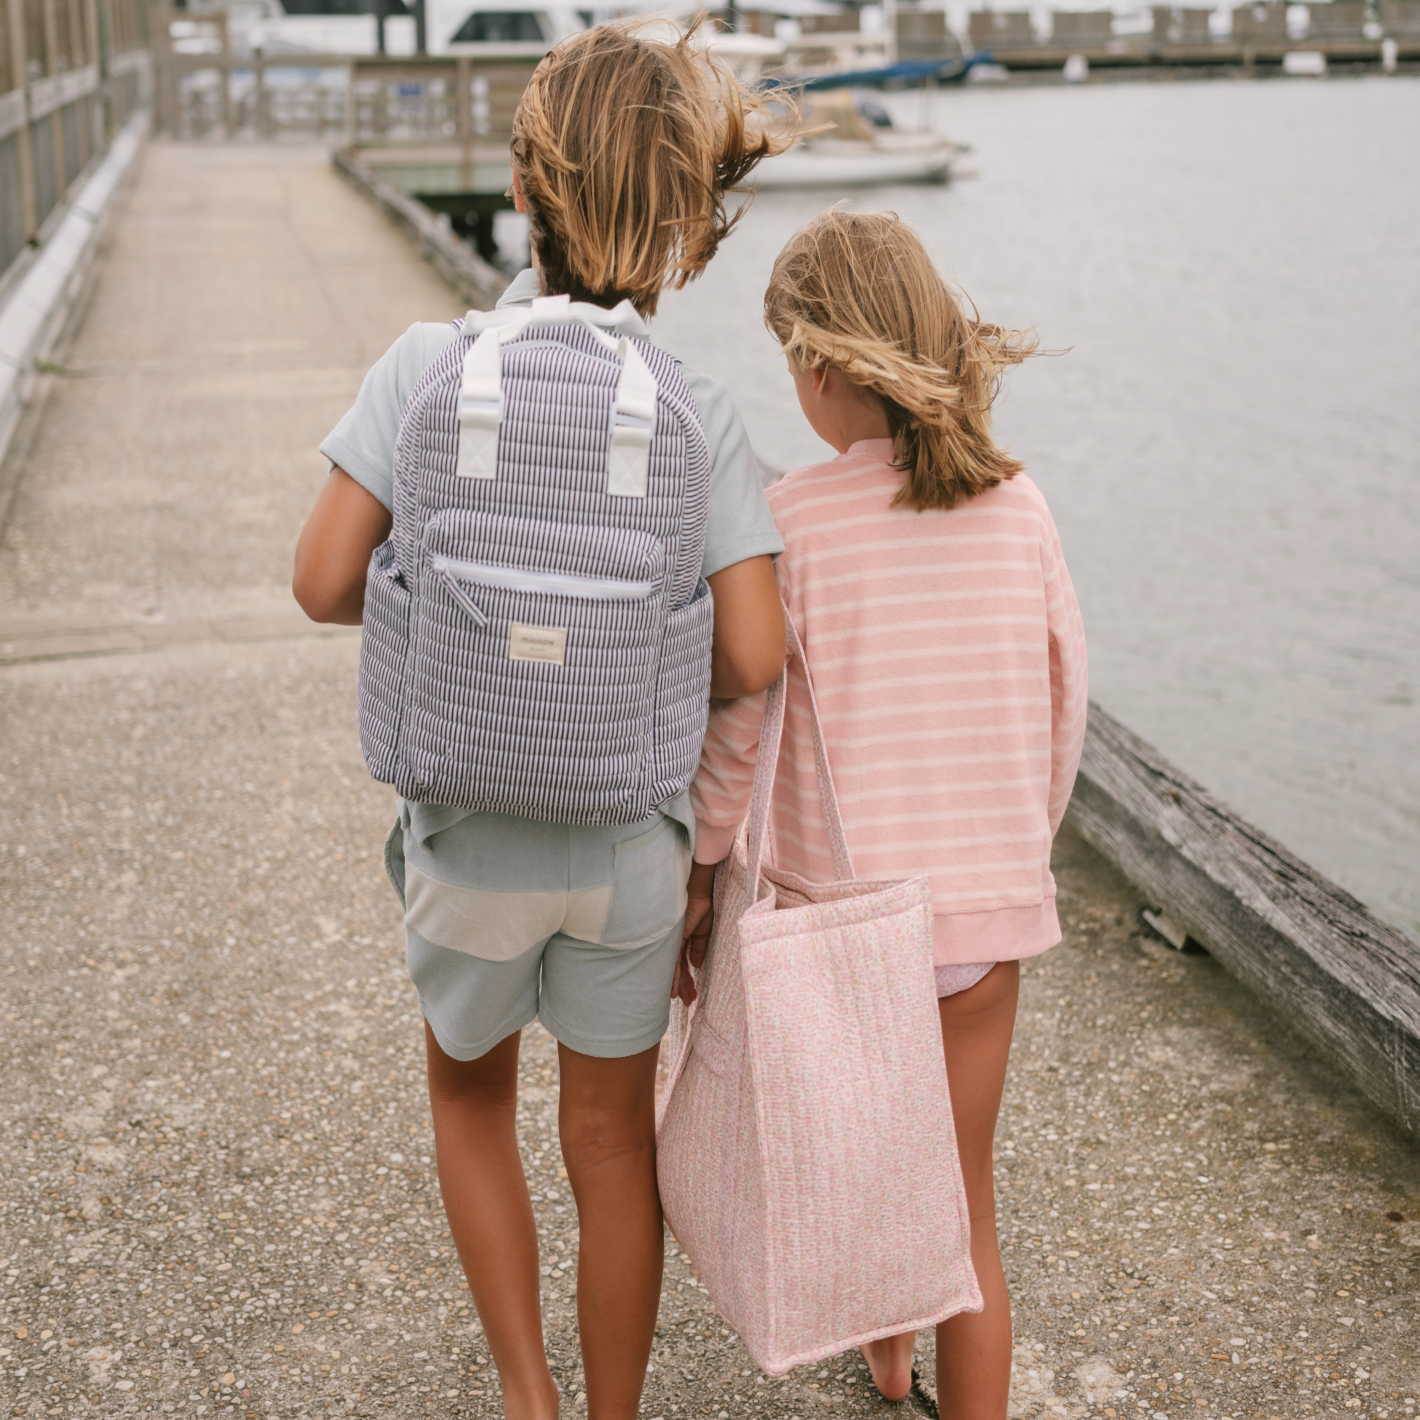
<point>850,142</point>
<point>486,29</point>
<point>836,163</point>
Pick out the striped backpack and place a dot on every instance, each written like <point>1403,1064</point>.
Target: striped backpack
<point>537,632</point>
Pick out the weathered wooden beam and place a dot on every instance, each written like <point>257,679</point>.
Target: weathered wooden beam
<point>473,278</point>
<point>1346,981</point>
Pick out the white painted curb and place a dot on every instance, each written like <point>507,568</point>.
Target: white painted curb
<point>38,303</point>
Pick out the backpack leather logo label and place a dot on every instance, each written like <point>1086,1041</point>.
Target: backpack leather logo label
<point>547,644</point>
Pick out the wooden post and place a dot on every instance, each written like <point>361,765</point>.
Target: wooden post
<point>259,92</point>
<point>81,22</point>
<point>352,116</point>
<point>463,118</point>
<point>165,80</point>
<point>95,125</point>
<point>56,116</point>
<point>224,27</point>
<point>19,62</point>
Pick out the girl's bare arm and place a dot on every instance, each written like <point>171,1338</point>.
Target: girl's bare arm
<point>333,553</point>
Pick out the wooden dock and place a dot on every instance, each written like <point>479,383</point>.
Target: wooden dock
<point>1315,956</point>
<point>1123,53</point>
<point>1259,38</point>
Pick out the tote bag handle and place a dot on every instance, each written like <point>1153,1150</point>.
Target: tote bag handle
<point>770,737</point>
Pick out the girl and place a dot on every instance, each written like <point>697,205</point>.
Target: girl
<point>623,148</point>
<point>923,572</point>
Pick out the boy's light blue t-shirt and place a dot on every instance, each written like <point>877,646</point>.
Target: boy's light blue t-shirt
<point>738,526</point>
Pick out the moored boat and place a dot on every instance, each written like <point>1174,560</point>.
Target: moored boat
<point>844,147</point>
<point>842,163</point>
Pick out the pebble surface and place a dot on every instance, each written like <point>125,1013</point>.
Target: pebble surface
<point>216,1187</point>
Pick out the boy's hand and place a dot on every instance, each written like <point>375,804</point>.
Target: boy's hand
<point>695,935</point>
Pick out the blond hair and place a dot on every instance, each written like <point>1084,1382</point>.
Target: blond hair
<point>625,145</point>
<point>858,292</point>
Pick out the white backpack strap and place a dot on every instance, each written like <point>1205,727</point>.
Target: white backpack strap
<point>480,406</point>
<point>633,422</point>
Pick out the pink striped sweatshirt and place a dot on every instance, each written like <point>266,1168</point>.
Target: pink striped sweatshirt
<point>948,659</point>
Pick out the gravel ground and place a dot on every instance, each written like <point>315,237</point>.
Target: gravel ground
<point>216,1188</point>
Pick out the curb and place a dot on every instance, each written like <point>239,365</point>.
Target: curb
<point>471,277</point>
<point>35,310</point>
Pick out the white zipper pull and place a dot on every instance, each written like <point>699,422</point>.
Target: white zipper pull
<point>461,596</point>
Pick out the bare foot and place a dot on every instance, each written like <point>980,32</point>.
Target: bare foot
<point>890,1361</point>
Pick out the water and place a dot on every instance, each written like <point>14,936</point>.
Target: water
<point>1229,445</point>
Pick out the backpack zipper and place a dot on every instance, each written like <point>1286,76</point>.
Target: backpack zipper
<point>512,579</point>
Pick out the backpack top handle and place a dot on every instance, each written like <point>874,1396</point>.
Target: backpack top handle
<point>481,393</point>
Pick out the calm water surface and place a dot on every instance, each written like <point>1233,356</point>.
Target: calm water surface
<point>1229,445</point>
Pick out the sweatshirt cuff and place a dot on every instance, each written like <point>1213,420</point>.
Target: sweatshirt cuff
<point>713,842</point>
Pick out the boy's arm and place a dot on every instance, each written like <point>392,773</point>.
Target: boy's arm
<point>747,650</point>
<point>333,554</point>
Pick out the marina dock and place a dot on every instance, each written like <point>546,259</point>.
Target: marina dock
<point>218,1183</point>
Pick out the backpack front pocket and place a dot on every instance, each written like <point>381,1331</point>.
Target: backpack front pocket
<point>532,681</point>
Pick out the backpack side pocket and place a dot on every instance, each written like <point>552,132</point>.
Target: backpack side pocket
<point>682,695</point>
<point>384,646</point>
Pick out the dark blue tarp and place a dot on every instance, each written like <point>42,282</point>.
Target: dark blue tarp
<point>905,71</point>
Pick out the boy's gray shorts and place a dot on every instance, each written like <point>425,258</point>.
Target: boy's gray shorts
<point>593,961</point>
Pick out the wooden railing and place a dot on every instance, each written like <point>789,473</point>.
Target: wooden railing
<point>1181,36</point>
<point>71,72</point>
<point>207,88</point>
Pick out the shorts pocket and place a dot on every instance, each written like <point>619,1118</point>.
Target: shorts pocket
<point>648,881</point>
<point>384,643</point>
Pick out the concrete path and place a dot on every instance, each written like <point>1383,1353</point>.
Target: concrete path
<point>216,1189</point>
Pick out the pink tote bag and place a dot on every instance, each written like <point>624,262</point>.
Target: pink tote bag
<point>806,1154</point>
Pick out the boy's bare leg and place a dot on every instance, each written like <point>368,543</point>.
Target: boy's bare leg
<point>974,1348</point>
<point>486,1199</point>
<point>608,1129</point>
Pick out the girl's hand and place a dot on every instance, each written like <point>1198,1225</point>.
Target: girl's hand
<point>695,935</point>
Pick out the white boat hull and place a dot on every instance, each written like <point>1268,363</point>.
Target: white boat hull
<point>805,167</point>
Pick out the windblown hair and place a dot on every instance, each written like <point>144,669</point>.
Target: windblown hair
<point>625,145</point>
<point>857,291</point>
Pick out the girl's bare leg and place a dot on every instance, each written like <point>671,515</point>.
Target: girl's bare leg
<point>607,1122</point>
<point>890,1362</point>
<point>974,1348</point>
<point>486,1199</point>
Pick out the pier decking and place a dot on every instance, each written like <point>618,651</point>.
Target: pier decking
<point>217,1180</point>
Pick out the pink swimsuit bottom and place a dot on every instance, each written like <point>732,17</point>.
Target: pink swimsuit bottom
<point>951,979</point>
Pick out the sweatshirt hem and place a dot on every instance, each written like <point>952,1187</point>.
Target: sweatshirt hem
<point>1005,934</point>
